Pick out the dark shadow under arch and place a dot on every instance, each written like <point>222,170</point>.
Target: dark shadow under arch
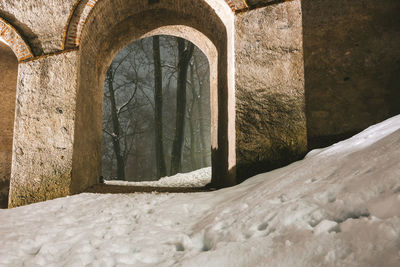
<point>8,85</point>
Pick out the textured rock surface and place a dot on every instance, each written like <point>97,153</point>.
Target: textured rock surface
<point>44,129</point>
<point>352,66</point>
<point>270,118</point>
<point>8,84</point>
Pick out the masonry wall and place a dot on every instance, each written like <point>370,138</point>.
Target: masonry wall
<point>8,85</point>
<point>44,129</point>
<point>270,112</point>
<point>352,66</point>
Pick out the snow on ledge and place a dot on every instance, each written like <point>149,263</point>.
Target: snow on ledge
<point>198,178</point>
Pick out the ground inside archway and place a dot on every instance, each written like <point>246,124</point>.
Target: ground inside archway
<point>198,178</point>
<point>191,182</point>
<point>337,207</point>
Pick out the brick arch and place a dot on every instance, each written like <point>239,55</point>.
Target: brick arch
<point>15,41</point>
<point>108,29</point>
<point>83,8</point>
<point>76,21</point>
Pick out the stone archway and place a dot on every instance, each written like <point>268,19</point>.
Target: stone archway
<point>202,22</point>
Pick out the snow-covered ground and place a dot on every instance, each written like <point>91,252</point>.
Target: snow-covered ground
<point>338,207</point>
<point>197,178</point>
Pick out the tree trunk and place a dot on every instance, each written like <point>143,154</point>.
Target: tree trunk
<point>116,127</point>
<point>185,52</point>
<point>201,125</point>
<point>194,144</point>
<point>158,102</point>
<point>193,159</point>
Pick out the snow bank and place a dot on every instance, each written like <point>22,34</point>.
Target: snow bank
<point>198,178</point>
<point>338,207</point>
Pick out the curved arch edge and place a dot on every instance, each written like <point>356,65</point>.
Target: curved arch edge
<point>76,21</point>
<point>15,41</point>
<point>80,13</point>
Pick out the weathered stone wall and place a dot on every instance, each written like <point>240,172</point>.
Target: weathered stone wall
<point>270,112</point>
<point>44,129</point>
<point>8,85</point>
<point>352,66</point>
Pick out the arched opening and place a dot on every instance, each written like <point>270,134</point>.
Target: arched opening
<point>101,40</point>
<point>156,114</point>
<point>8,84</point>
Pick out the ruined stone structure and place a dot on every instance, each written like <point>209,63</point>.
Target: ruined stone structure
<point>286,76</point>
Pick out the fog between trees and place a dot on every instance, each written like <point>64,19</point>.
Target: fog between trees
<point>156,110</point>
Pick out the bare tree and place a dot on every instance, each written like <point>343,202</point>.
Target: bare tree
<point>148,77</point>
<point>193,121</point>
<point>185,52</point>
<point>201,114</point>
<point>122,128</point>
<point>158,102</point>
<point>115,135</point>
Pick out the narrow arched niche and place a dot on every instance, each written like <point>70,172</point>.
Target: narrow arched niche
<point>8,84</point>
<point>102,39</point>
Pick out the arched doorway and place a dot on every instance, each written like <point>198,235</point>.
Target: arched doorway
<point>8,84</point>
<point>100,41</point>
<point>156,113</point>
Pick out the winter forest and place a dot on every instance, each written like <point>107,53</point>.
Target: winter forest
<point>156,110</point>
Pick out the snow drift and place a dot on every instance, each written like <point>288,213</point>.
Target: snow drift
<point>340,206</point>
<point>198,178</point>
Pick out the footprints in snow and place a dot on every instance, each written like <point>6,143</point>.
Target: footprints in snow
<point>262,227</point>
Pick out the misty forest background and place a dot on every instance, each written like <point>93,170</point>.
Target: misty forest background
<point>156,111</point>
